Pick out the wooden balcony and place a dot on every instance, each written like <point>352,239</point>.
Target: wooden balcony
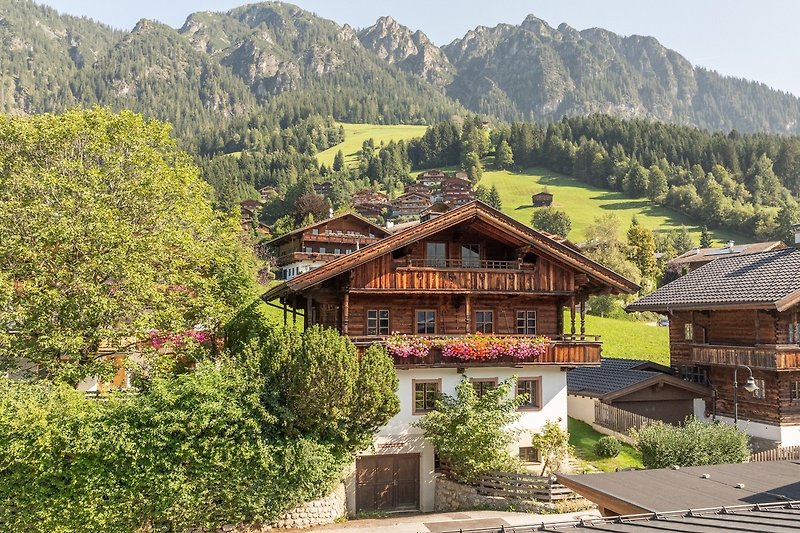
<point>340,238</point>
<point>294,257</point>
<point>772,357</point>
<point>459,264</point>
<point>563,350</point>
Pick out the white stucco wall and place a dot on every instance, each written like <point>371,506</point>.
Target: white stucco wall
<point>581,408</point>
<point>399,436</point>
<point>785,435</point>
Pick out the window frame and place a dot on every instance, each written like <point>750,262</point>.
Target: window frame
<point>536,398</point>
<point>761,393</point>
<point>483,330</point>
<point>438,392</point>
<point>469,262</point>
<point>436,261</point>
<point>378,318</point>
<point>794,390</point>
<point>526,319</point>
<point>480,382</point>
<point>526,458</point>
<point>425,322</point>
<point>688,331</point>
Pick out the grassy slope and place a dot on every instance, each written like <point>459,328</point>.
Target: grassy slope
<point>583,203</point>
<point>356,134</point>
<point>629,340</point>
<point>582,438</point>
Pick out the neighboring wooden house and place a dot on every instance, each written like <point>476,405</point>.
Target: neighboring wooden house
<point>410,204</point>
<point>542,199</point>
<point>267,193</point>
<point>640,387</point>
<point>470,270</point>
<point>314,245</point>
<point>434,211</point>
<point>249,207</point>
<point>370,203</point>
<point>740,310</point>
<point>697,257</point>
<point>456,192</point>
<point>323,189</point>
<point>431,178</point>
<point>418,188</point>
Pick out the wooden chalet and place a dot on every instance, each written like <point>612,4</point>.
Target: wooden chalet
<point>410,204</point>
<point>697,257</point>
<point>268,193</point>
<point>456,191</point>
<point>369,203</point>
<point>542,199</point>
<point>472,269</point>
<point>324,188</point>
<point>418,188</point>
<point>314,245</point>
<point>740,310</point>
<point>431,178</point>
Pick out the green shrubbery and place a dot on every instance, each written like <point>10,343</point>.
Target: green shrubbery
<point>236,440</point>
<point>608,447</point>
<point>690,444</point>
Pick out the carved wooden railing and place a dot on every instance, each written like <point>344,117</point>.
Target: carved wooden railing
<point>464,263</point>
<point>764,356</point>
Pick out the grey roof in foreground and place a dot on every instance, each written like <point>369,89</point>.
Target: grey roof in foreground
<point>666,489</point>
<point>612,375</point>
<point>783,517</point>
<point>760,280</point>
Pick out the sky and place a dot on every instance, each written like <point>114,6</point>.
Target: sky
<point>756,40</point>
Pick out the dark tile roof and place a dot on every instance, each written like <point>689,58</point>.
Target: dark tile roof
<point>699,255</point>
<point>612,375</point>
<point>758,280</point>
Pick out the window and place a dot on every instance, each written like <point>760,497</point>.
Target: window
<point>695,374</point>
<point>761,392</point>
<point>688,332</point>
<point>309,250</point>
<point>526,322</point>
<point>425,395</point>
<point>794,333</point>
<point>794,390</point>
<point>436,254</point>
<point>337,251</point>
<point>426,322</point>
<point>529,454</point>
<point>470,255</point>
<point>315,231</point>
<point>377,322</point>
<point>484,321</point>
<point>322,249</point>
<point>533,388</point>
<point>483,385</point>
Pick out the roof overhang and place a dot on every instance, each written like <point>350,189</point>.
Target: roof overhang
<point>661,379</point>
<point>710,306</point>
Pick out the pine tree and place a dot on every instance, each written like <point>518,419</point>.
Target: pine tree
<point>705,238</point>
<point>338,161</point>
<point>504,157</point>
<point>494,198</point>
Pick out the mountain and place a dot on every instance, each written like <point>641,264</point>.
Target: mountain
<point>276,62</point>
<point>535,72</point>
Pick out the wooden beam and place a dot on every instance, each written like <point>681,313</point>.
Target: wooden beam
<point>758,327</point>
<point>345,312</point>
<point>583,316</point>
<point>284,311</point>
<point>309,312</point>
<point>572,316</point>
<point>294,310</point>
<point>468,312</point>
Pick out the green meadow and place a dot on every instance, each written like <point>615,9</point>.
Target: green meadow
<point>583,203</point>
<point>356,134</point>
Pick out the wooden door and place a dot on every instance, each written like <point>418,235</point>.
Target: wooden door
<point>387,482</point>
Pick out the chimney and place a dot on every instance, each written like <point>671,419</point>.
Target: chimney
<point>796,229</point>
<point>730,246</point>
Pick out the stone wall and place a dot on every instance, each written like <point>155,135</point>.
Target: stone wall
<point>326,510</point>
<point>452,496</point>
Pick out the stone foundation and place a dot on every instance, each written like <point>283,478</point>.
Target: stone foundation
<point>452,496</point>
<point>326,510</point>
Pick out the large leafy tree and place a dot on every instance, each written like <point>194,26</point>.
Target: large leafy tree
<point>552,221</point>
<point>107,232</point>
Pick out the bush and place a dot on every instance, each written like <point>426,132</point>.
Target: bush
<point>608,447</point>
<point>196,450</point>
<point>691,444</point>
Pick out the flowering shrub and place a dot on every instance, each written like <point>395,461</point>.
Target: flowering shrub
<point>158,340</point>
<point>469,348</point>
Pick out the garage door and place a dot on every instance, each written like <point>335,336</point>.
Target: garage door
<point>387,482</point>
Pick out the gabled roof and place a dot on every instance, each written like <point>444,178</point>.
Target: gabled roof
<point>379,230</point>
<point>615,378</point>
<point>408,195</point>
<point>699,255</point>
<point>467,213</point>
<point>766,280</point>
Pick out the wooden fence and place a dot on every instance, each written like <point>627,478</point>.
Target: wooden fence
<point>789,453</point>
<point>522,487</point>
<point>618,419</point>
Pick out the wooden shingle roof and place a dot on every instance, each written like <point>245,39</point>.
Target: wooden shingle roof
<point>474,212</point>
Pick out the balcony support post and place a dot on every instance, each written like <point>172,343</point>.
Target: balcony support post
<point>309,312</point>
<point>572,316</point>
<point>294,310</point>
<point>345,312</point>
<point>468,312</point>
<point>583,317</point>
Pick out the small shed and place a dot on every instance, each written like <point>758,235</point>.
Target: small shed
<point>542,199</point>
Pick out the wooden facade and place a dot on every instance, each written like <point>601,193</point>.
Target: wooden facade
<point>467,271</point>
<point>706,346</point>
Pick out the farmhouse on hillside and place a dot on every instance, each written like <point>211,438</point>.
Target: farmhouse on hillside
<point>542,199</point>
<point>470,294</point>
<point>734,316</point>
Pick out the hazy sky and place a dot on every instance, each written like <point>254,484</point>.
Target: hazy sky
<point>758,40</point>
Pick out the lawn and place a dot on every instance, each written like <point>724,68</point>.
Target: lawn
<point>356,134</point>
<point>583,438</point>
<point>583,203</point>
<point>628,339</point>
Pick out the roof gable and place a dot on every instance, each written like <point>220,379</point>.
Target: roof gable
<point>479,215</point>
<point>378,230</point>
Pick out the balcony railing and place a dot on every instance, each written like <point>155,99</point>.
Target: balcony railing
<point>776,357</point>
<point>465,263</point>
<point>561,350</point>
